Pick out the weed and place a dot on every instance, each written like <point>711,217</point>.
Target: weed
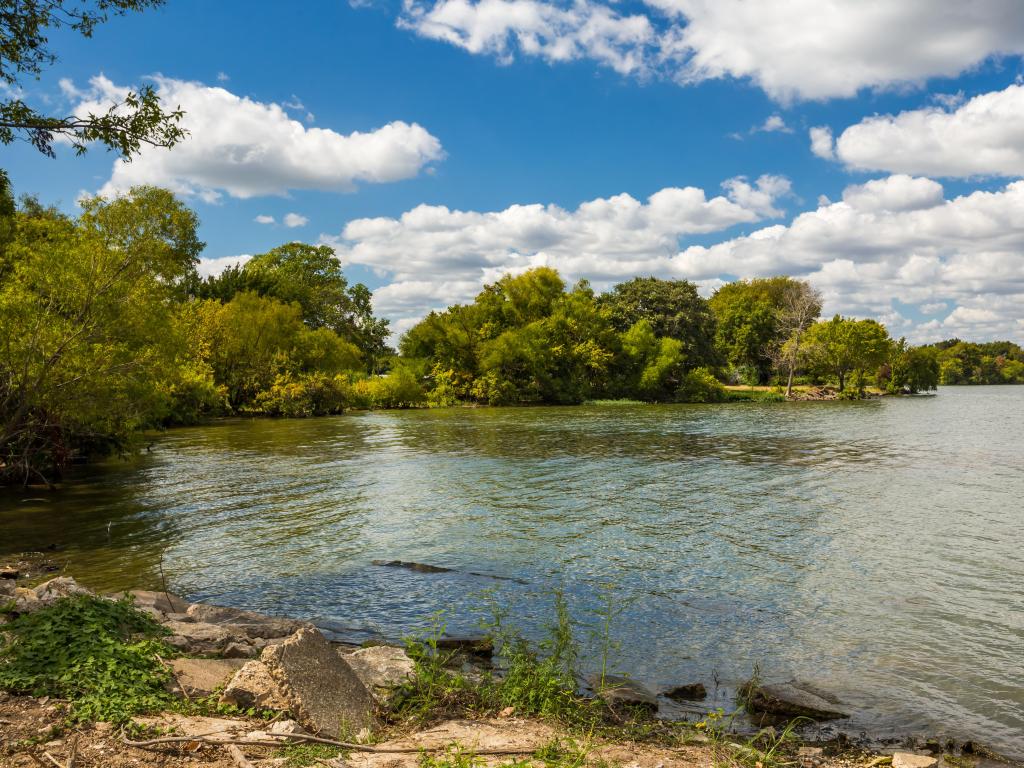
<point>102,655</point>
<point>300,755</point>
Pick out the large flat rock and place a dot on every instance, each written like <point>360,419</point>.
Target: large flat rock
<point>323,692</point>
<point>380,668</point>
<point>201,677</point>
<point>252,624</point>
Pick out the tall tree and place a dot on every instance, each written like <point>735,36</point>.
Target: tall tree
<point>672,308</point>
<point>799,307</point>
<point>843,346</point>
<point>126,125</point>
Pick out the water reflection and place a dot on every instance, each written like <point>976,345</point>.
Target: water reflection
<point>872,547</point>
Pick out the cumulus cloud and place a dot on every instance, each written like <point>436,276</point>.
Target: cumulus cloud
<point>248,148</point>
<point>535,28</point>
<point>433,256</point>
<point>895,239</point>
<point>295,220</point>
<point>264,219</point>
<point>821,142</point>
<point>214,266</point>
<point>889,242</point>
<point>980,137</point>
<point>792,49</point>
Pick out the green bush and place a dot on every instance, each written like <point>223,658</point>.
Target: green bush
<point>100,654</point>
<point>310,394</point>
<point>701,386</point>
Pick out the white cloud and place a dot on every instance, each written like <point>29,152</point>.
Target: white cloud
<point>295,220</point>
<point>549,31</point>
<point>248,148</point>
<point>222,77</point>
<point>774,124</point>
<point>890,240</point>
<point>215,266</point>
<point>264,219</point>
<point>894,194</point>
<point>434,256</point>
<point>981,137</point>
<point>821,142</point>
<point>792,49</point>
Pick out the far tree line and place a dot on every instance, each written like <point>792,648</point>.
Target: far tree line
<point>107,330</point>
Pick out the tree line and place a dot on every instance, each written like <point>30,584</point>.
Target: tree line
<point>108,330</point>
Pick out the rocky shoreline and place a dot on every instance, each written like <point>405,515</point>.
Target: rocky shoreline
<point>318,689</point>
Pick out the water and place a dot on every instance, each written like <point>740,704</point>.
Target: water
<point>873,548</point>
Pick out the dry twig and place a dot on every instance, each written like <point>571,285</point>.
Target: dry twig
<point>238,757</point>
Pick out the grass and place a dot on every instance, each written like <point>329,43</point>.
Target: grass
<point>621,401</point>
<point>301,755</point>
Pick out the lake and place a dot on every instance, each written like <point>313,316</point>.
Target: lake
<point>874,548</point>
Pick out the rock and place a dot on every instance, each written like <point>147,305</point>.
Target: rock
<point>691,692</point>
<point>481,647</point>
<point>53,590</point>
<point>212,728</point>
<point>910,760</point>
<point>252,686</point>
<point>280,728</point>
<point>239,651</point>
<point>380,668</point>
<point>793,699</point>
<point>9,572</point>
<point>25,600</point>
<point>159,604</point>
<point>198,638</point>
<point>323,692</point>
<point>621,692</point>
<point>7,588</point>
<point>248,622</point>
<point>410,566</point>
<point>201,677</point>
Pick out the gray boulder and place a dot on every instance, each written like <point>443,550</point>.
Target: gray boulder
<point>201,677</point>
<point>158,604</point>
<point>53,590</point>
<point>380,668</point>
<point>323,693</point>
<point>793,699</point>
<point>252,686</point>
<point>689,692</point>
<point>200,638</point>
<point>254,625</point>
<point>622,693</point>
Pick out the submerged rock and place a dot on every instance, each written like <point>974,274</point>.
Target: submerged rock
<point>411,566</point>
<point>691,692</point>
<point>323,692</point>
<point>624,693</point>
<point>793,699</point>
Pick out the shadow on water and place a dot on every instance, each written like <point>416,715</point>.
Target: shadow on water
<point>872,548</point>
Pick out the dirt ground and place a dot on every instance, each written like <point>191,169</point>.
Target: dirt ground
<point>30,737</point>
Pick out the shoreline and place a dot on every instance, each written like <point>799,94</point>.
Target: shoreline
<point>211,632</point>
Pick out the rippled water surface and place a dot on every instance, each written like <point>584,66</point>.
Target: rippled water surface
<point>874,548</point>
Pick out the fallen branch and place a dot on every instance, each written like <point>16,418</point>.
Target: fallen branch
<point>53,760</point>
<point>318,740</point>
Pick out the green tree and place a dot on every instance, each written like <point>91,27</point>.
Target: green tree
<point>672,308</point>
<point>914,369</point>
<point>843,346</point>
<point>85,313</point>
<point>756,318</point>
<point>657,365</point>
<point>25,30</point>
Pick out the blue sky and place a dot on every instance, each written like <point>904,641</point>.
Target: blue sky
<point>507,115</point>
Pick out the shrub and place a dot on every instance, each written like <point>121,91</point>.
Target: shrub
<point>100,654</point>
<point>310,394</point>
<point>701,386</point>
